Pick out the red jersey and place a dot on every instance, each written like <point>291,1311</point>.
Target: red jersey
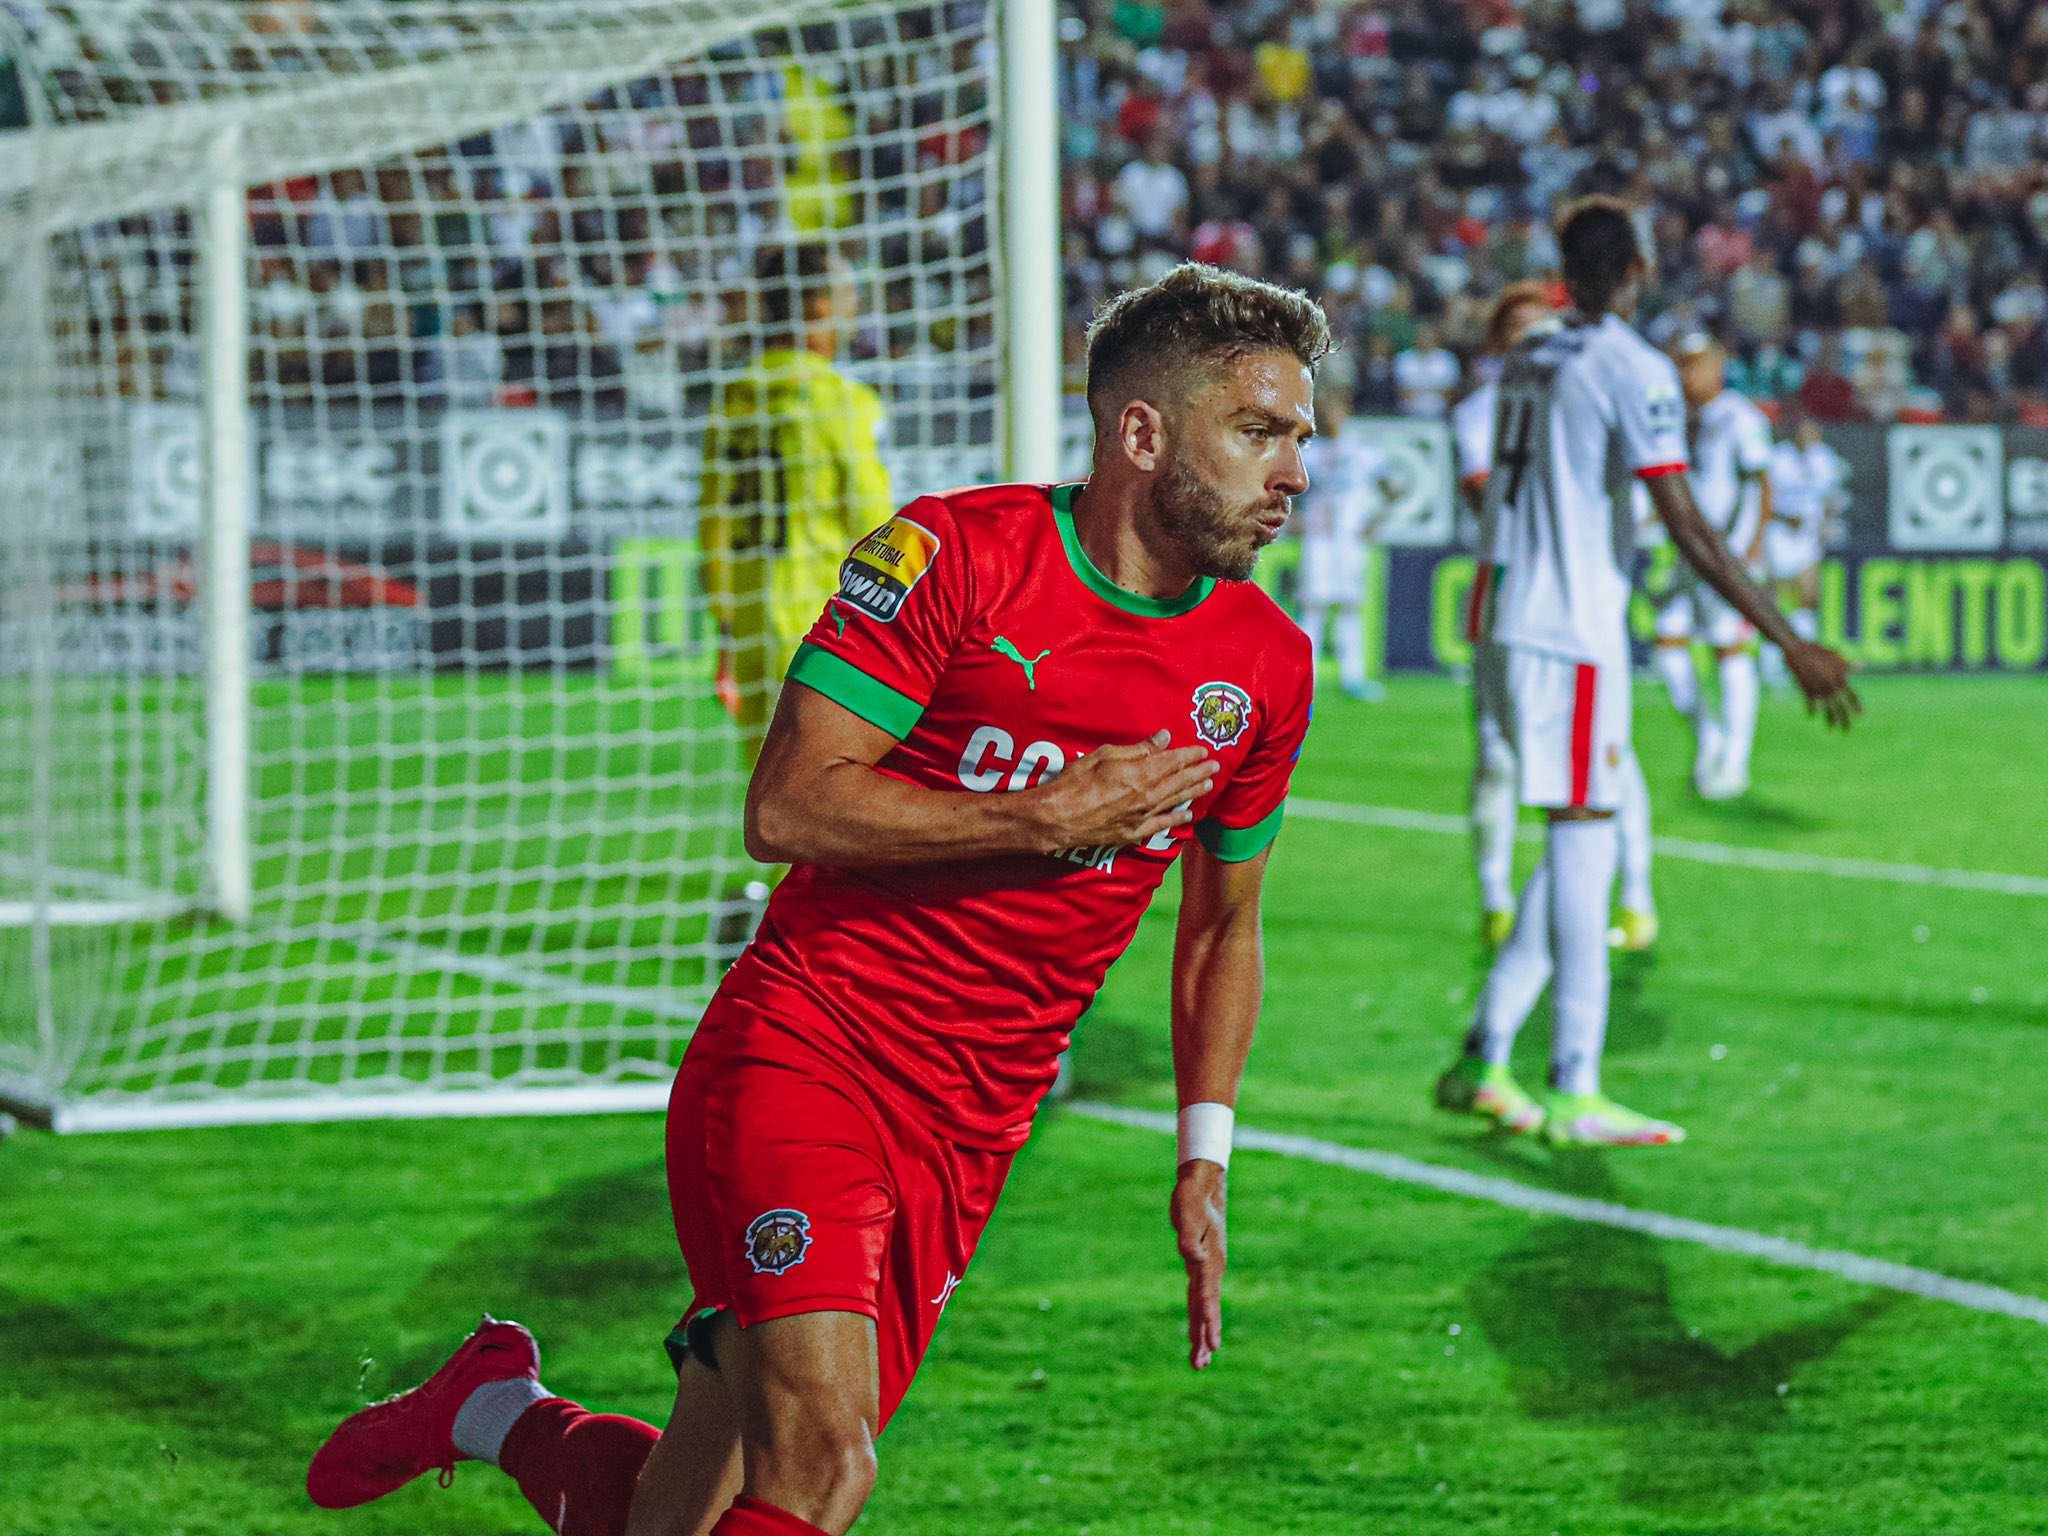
<point>974,628</point>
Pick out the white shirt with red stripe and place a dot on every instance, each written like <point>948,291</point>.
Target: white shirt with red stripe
<point>1584,413</point>
<point>1731,455</point>
<point>1472,434</point>
<point>1472,431</point>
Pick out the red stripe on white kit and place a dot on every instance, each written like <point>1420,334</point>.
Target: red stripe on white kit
<point>1584,685</point>
<point>1476,600</point>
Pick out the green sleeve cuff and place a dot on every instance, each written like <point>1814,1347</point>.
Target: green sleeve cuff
<point>1233,845</point>
<point>850,688</point>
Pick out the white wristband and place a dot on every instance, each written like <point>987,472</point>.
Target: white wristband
<point>1205,1133</point>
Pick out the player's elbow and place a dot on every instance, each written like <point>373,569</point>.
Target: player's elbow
<point>770,827</point>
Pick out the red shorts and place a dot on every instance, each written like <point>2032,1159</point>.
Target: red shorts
<point>797,1187</point>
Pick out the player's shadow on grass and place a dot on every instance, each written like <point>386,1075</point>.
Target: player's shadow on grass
<point>1634,1025</point>
<point>586,1258</point>
<point>77,1354</point>
<point>1751,811</point>
<point>1584,1318</point>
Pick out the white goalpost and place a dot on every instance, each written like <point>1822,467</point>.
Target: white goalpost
<point>362,751</point>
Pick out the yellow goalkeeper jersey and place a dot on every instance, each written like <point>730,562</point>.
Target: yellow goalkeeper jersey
<point>792,478</point>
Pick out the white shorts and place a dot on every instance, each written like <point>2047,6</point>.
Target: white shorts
<point>1332,573</point>
<point>1695,611</point>
<point>1568,722</point>
<point>1789,552</point>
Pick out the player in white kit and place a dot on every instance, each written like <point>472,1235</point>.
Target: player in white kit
<point>1731,463</point>
<point>1347,499</point>
<point>1520,308</point>
<point>1585,411</point>
<point>1807,482</point>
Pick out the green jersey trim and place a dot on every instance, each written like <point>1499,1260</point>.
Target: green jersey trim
<point>1233,845</point>
<point>850,688</point>
<point>1101,585</point>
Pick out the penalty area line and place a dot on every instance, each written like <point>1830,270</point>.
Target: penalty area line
<point>1735,855</point>
<point>1854,1267</point>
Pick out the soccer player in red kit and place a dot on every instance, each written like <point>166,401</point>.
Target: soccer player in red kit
<point>1024,703</point>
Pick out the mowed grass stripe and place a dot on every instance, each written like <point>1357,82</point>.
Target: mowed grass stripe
<point>1734,855</point>
<point>1857,1267</point>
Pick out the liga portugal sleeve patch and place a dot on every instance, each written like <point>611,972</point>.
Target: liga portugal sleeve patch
<point>885,566</point>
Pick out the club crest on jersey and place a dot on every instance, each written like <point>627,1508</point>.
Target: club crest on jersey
<point>1222,713</point>
<point>777,1240</point>
<point>885,566</point>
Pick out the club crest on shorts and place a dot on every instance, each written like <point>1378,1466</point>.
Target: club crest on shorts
<point>1222,713</point>
<point>777,1240</point>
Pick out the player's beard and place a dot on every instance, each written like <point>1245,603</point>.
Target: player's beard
<point>1218,539</point>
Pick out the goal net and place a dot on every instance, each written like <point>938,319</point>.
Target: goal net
<point>363,745</point>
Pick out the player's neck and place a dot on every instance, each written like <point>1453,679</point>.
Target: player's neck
<point>1124,542</point>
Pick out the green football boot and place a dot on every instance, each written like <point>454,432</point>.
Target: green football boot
<point>1594,1120</point>
<point>1476,1087</point>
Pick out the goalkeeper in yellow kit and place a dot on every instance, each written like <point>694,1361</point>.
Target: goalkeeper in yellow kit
<point>792,476</point>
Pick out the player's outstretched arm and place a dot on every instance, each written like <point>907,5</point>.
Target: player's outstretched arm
<point>817,798</point>
<point>1822,674</point>
<point>1219,980</point>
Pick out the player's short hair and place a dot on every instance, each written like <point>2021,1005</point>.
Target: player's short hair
<point>1696,341</point>
<point>1511,298</point>
<point>788,275</point>
<point>1598,248</point>
<point>1161,341</point>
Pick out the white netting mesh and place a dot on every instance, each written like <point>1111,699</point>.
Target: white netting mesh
<point>500,267</point>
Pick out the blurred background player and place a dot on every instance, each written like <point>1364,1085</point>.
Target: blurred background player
<point>793,476</point>
<point>1585,411</point>
<point>1807,483</point>
<point>1520,309</point>
<point>1347,500</point>
<point>1731,457</point>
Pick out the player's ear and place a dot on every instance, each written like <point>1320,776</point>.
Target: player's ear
<point>1141,433</point>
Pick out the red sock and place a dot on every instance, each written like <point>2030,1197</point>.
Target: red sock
<point>578,1468</point>
<point>750,1516</point>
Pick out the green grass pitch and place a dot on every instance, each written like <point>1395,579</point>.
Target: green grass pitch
<point>1861,1066</point>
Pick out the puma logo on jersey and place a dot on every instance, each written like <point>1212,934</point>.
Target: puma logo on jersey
<point>837,616</point>
<point>1004,647</point>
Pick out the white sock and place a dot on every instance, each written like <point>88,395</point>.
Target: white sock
<point>487,1415</point>
<point>1805,623</point>
<point>1351,647</point>
<point>1739,689</point>
<point>1494,809</point>
<point>1632,832</point>
<point>1582,873</point>
<point>1519,972</point>
<point>1681,680</point>
<point>1312,616</point>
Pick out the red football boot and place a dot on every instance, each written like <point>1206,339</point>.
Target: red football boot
<point>388,1444</point>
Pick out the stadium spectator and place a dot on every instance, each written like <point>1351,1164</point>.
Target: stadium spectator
<point>1861,179</point>
<point>1807,171</point>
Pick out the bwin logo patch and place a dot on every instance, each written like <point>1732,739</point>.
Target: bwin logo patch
<point>778,1240</point>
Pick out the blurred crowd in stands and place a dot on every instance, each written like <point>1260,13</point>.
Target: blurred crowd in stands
<point>596,257</point>
<point>1852,193</point>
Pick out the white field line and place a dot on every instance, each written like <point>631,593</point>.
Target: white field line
<point>543,983</point>
<point>1605,1213</point>
<point>1733,854</point>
